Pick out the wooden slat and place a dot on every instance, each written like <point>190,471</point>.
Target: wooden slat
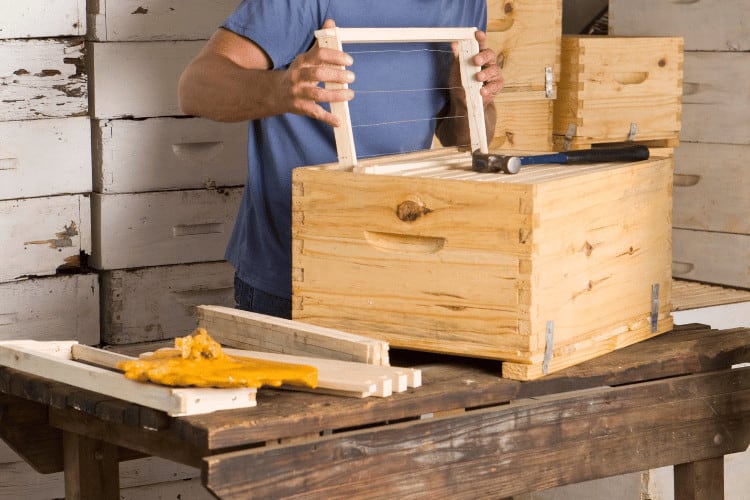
<point>693,295</point>
<point>53,360</point>
<point>259,332</point>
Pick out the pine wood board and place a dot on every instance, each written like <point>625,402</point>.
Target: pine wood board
<point>54,360</point>
<point>526,38</point>
<point>259,332</point>
<point>522,125</point>
<point>609,84</point>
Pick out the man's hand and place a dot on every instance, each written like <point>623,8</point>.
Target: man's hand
<point>232,80</point>
<point>301,81</point>
<point>490,76</point>
<point>453,126</point>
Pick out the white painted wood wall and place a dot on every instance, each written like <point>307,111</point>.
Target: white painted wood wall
<point>88,111</point>
<point>712,182</point>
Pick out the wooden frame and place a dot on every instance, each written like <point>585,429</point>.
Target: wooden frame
<point>468,47</point>
<point>56,361</point>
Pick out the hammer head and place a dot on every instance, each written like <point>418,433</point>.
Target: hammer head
<point>493,163</point>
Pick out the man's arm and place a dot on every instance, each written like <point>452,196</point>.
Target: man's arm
<point>231,80</point>
<point>453,124</point>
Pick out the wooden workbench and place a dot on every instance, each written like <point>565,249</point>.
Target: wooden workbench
<point>466,433</point>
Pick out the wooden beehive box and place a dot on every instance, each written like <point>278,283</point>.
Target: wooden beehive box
<point>543,269</point>
<point>525,35</point>
<point>618,89</point>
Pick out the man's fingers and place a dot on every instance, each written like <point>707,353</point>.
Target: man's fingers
<point>490,73</point>
<point>321,55</point>
<point>317,112</point>
<point>315,93</point>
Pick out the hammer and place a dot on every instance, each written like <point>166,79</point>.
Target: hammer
<point>493,163</point>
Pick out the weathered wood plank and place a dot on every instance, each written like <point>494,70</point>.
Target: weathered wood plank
<point>162,228</point>
<point>139,479</point>
<point>39,18</point>
<point>474,383</point>
<point>718,258</point>
<point>715,102</point>
<point>702,480</point>
<point>25,428</point>
<point>138,79</point>
<point>157,303</point>
<point>45,157</point>
<point>712,187</point>
<point>148,441</point>
<point>692,295</point>
<point>65,308</point>
<point>500,451</point>
<point>141,20</point>
<point>168,153</point>
<point>40,235</point>
<point>42,78</point>
<point>707,25</point>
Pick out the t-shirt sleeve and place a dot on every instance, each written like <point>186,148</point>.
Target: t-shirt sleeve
<point>282,28</point>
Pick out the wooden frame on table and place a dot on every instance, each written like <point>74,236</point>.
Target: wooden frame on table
<point>468,47</point>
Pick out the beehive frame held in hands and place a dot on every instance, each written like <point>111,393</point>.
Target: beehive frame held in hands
<point>468,47</point>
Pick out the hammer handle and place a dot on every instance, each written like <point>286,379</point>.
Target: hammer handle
<point>603,154</point>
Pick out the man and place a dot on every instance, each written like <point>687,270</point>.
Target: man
<point>263,66</point>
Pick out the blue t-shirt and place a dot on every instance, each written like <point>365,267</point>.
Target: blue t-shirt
<point>400,120</point>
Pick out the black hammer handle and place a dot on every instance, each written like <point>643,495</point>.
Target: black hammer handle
<point>605,154</point>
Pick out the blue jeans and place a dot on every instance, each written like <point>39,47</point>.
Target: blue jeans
<point>251,299</point>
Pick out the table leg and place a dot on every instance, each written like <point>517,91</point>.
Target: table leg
<point>92,469</point>
<point>702,480</point>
